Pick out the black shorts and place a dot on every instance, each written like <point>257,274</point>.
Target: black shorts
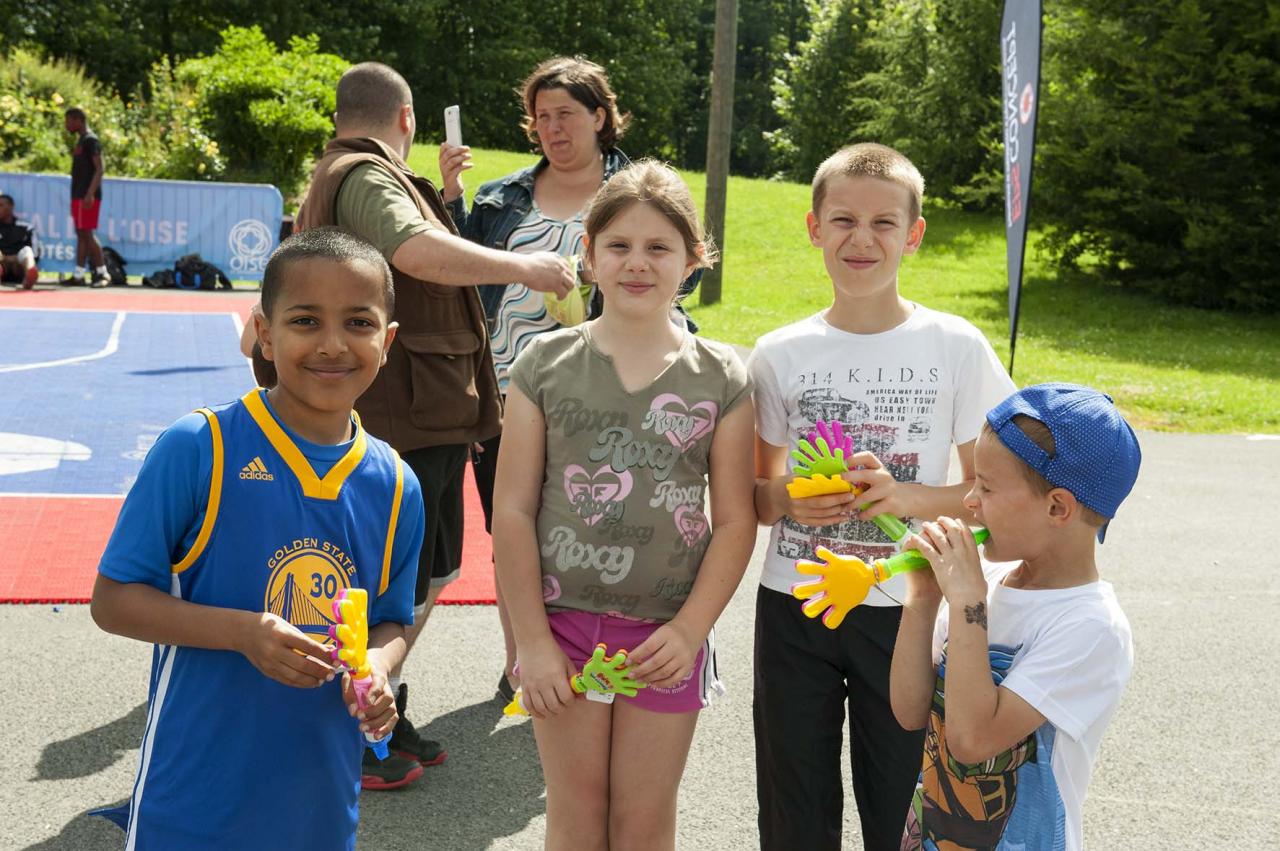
<point>485,466</point>
<point>439,470</point>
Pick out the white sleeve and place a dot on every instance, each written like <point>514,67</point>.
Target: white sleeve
<point>771,413</point>
<point>940,626</point>
<point>1073,674</point>
<point>981,384</point>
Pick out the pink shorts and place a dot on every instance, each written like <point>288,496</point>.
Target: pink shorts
<point>578,633</point>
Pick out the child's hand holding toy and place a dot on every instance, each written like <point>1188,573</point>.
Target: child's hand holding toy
<point>881,493</point>
<point>281,651</point>
<point>951,549</point>
<point>545,675</point>
<point>844,581</point>
<point>666,656</point>
<point>364,681</point>
<point>601,679</point>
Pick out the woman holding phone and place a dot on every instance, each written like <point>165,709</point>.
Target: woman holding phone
<point>571,114</point>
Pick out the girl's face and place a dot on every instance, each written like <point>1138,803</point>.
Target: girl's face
<point>639,260</point>
<point>566,128</point>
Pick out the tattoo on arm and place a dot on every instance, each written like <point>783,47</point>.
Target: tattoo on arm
<point>976,613</point>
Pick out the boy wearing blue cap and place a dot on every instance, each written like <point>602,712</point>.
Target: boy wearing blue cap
<point>1016,681</point>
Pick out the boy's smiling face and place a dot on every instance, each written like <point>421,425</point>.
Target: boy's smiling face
<point>328,335</point>
<point>864,228</point>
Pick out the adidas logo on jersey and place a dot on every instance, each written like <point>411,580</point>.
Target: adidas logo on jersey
<point>255,469</point>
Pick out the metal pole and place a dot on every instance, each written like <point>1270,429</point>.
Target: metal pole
<point>719,136</point>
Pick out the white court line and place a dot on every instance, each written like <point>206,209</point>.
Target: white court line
<point>4,307</point>
<point>239,323</point>
<point>61,496</point>
<point>113,343</point>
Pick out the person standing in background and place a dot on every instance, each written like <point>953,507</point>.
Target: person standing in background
<point>437,393</point>
<point>86,198</point>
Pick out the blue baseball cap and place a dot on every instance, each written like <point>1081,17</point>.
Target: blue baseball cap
<point>1097,454</point>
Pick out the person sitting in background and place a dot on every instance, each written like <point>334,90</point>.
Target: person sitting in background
<point>19,247</point>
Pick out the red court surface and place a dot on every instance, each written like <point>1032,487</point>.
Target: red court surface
<point>50,543</point>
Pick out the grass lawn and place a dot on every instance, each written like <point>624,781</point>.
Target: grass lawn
<point>1169,368</point>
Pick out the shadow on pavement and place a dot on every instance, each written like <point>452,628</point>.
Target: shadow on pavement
<point>84,832</point>
<point>174,370</point>
<point>490,787</point>
<point>93,750</point>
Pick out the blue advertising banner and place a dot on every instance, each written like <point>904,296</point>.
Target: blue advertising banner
<point>152,223</point>
<point>1020,64</point>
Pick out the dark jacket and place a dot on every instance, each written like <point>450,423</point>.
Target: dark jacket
<point>16,235</point>
<point>501,204</point>
<point>438,386</point>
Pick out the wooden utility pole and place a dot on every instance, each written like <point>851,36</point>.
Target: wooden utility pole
<point>719,137</point>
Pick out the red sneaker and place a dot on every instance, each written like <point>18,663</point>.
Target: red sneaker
<point>30,278</point>
<point>390,773</point>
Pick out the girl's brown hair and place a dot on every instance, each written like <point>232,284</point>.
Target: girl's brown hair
<point>653,183</point>
<point>587,83</point>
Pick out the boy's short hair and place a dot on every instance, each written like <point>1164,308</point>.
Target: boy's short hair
<point>1071,437</point>
<point>5,196</point>
<point>323,243</point>
<point>370,95</point>
<point>75,112</point>
<point>869,159</point>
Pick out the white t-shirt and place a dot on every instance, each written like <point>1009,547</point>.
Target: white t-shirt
<point>906,394</point>
<point>1069,654</point>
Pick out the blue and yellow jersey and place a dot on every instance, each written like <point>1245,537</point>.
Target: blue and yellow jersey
<point>231,509</point>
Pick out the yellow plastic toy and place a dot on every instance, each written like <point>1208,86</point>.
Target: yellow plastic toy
<point>572,309</point>
<point>817,485</point>
<point>350,634</point>
<point>844,581</point>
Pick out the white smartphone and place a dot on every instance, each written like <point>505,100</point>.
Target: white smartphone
<point>453,126</point>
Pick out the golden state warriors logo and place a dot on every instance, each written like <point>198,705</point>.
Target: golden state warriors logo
<point>306,576</point>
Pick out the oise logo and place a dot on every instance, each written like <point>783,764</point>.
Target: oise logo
<point>250,242</point>
<point>306,576</point>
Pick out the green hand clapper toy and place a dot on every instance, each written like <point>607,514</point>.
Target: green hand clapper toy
<point>601,679</point>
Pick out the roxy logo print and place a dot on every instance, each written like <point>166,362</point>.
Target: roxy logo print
<point>597,495</point>
<point>691,523</point>
<point>683,424</point>
<point>625,451</point>
<point>612,562</point>
<point>670,495</point>
<point>574,416</point>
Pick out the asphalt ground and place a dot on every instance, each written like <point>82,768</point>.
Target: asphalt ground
<point>1191,760</point>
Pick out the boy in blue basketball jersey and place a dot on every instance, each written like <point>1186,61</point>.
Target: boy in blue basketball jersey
<point>244,524</point>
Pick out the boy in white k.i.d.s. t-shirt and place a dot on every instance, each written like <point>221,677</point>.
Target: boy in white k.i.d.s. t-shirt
<point>907,384</point>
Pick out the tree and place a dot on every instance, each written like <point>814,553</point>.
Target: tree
<point>268,110</point>
<point>1159,128</point>
<point>818,95</point>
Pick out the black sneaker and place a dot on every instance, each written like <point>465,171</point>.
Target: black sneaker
<point>390,773</point>
<point>406,741</point>
<point>506,693</point>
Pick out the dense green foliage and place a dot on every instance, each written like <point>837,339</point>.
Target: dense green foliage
<point>246,112</point>
<point>1159,159</point>
<point>1158,118</point>
<point>158,138</point>
<point>269,110</point>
